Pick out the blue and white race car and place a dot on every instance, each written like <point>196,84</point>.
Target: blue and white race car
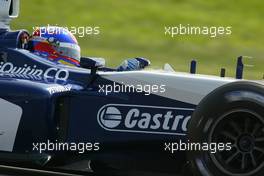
<point>99,120</point>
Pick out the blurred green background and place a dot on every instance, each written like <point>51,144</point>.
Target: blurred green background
<point>130,28</point>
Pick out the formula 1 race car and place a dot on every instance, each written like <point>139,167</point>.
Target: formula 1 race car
<point>97,120</point>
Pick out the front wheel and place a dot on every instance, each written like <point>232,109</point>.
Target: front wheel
<point>233,116</point>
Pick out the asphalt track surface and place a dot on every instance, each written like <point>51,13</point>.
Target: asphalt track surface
<point>18,171</point>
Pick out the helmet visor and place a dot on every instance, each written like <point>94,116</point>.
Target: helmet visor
<point>70,50</point>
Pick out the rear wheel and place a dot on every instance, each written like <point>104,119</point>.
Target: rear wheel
<point>234,115</point>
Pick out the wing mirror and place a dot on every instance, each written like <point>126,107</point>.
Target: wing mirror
<point>92,63</point>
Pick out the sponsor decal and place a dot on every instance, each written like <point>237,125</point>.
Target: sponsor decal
<point>32,72</point>
<point>9,121</point>
<point>59,89</point>
<point>144,119</point>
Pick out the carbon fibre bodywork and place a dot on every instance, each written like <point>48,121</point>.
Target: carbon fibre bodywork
<point>58,103</point>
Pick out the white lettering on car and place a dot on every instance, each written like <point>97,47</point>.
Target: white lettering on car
<point>144,119</point>
<point>33,72</point>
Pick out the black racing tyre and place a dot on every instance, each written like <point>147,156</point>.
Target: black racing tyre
<point>231,117</point>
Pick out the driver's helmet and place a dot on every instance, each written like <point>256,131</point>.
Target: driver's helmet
<point>56,44</point>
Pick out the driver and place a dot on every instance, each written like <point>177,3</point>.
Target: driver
<point>55,44</point>
<point>60,46</point>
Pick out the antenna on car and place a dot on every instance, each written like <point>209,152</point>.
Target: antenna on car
<point>193,66</point>
<point>222,72</point>
<point>241,65</point>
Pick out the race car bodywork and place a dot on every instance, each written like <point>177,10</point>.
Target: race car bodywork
<point>46,101</point>
<point>126,118</point>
